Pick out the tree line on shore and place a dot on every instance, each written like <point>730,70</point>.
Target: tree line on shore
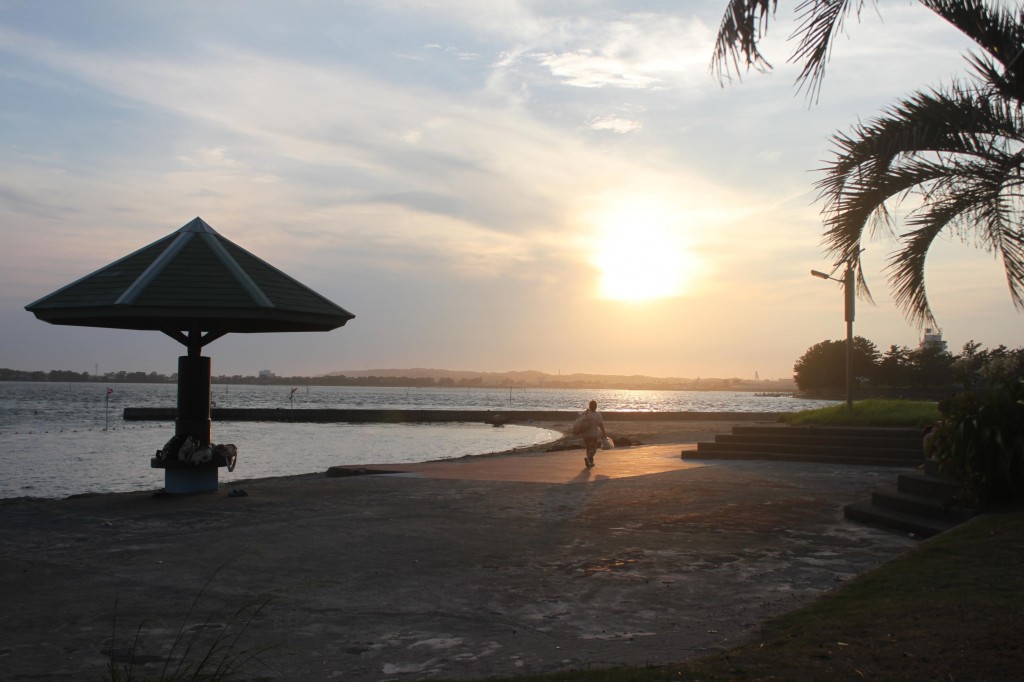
<point>927,371</point>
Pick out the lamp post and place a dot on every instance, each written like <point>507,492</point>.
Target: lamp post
<point>850,298</point>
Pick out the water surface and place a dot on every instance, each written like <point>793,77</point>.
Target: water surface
<point>63,439</point>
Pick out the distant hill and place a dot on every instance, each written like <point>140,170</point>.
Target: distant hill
<point>418,376</point>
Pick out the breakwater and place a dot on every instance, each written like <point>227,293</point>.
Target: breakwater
<point>398,416</point>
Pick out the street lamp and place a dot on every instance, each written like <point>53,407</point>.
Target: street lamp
<point>850,297</point>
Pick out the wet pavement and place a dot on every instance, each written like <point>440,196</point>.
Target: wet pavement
<point>476,567</point>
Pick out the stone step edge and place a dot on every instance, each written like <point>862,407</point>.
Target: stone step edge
<point>899,453</point>
<point>867,441</point>
<point>923,482</point>
<point>930,507</point>
<point>866,460</point>
<point>864,431</point>
<point>864,512</point>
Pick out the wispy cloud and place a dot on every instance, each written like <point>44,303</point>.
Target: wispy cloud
<point>616,124</point>
<point>635,51</point>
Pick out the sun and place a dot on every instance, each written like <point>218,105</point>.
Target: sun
<point>640,251</point>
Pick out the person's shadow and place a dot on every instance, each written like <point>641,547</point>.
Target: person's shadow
<point>587,475</point>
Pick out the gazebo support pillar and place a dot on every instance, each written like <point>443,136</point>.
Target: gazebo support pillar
<point>193,399</point>
<point>244,296</point>
<point>193,421</point>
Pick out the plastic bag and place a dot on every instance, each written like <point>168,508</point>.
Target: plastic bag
<point>202,455</point>
<point>228,453</point>
<point>607,443</point>
<point>187,448</point>
<point>170,448</point>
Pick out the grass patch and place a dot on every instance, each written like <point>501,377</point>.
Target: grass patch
<point>951,609</point>
<point>873,412</point>
<point>205,652</point>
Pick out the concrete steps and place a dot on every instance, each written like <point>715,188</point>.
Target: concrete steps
<point>922,502</point>
<point>837,445</point>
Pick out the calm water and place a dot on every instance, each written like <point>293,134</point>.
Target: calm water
<point>63,439</point>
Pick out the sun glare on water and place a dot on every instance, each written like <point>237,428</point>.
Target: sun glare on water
<point>641,253</point>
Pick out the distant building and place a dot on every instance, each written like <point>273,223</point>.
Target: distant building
<point>932,339</point>
<point>267,374</point>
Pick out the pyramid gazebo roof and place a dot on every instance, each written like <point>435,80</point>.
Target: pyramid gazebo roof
<point>191,282</point>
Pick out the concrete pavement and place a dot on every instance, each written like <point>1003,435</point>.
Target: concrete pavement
<point>478,567</point>
<point>565,466</point>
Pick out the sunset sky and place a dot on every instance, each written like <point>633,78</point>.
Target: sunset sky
<point>505,185</point>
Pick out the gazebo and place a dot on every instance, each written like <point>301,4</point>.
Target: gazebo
<point>195,286</point>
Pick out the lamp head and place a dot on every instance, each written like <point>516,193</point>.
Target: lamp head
<point>822,275</point>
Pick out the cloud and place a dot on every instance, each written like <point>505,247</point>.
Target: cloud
<point>31,203</point>
<point>471,181</point>
<point>641,50</point>
<point>616,124</point>
<point>212,157</point>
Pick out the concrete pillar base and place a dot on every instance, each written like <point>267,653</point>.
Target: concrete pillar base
<point>190,480</point>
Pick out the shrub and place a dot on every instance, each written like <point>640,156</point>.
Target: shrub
<point>980,439</point>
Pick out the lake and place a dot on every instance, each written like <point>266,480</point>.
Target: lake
<point>63,439</point>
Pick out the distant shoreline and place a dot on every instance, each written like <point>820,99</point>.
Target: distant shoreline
<point>463,380</point>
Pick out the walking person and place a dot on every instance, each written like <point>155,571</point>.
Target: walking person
<point>593,431</point>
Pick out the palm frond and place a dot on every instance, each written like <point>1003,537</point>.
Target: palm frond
<point>971,206</point>
<point>743,25</point>
<point>907,270</point>
<point>1012,249</point>
<point>959,152</point>
<point>818,22</point>
<point>956,120</point>
<point>863,207</point>
<point>996,29</point>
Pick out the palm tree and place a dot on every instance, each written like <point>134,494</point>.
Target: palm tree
<point>957,151</point>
